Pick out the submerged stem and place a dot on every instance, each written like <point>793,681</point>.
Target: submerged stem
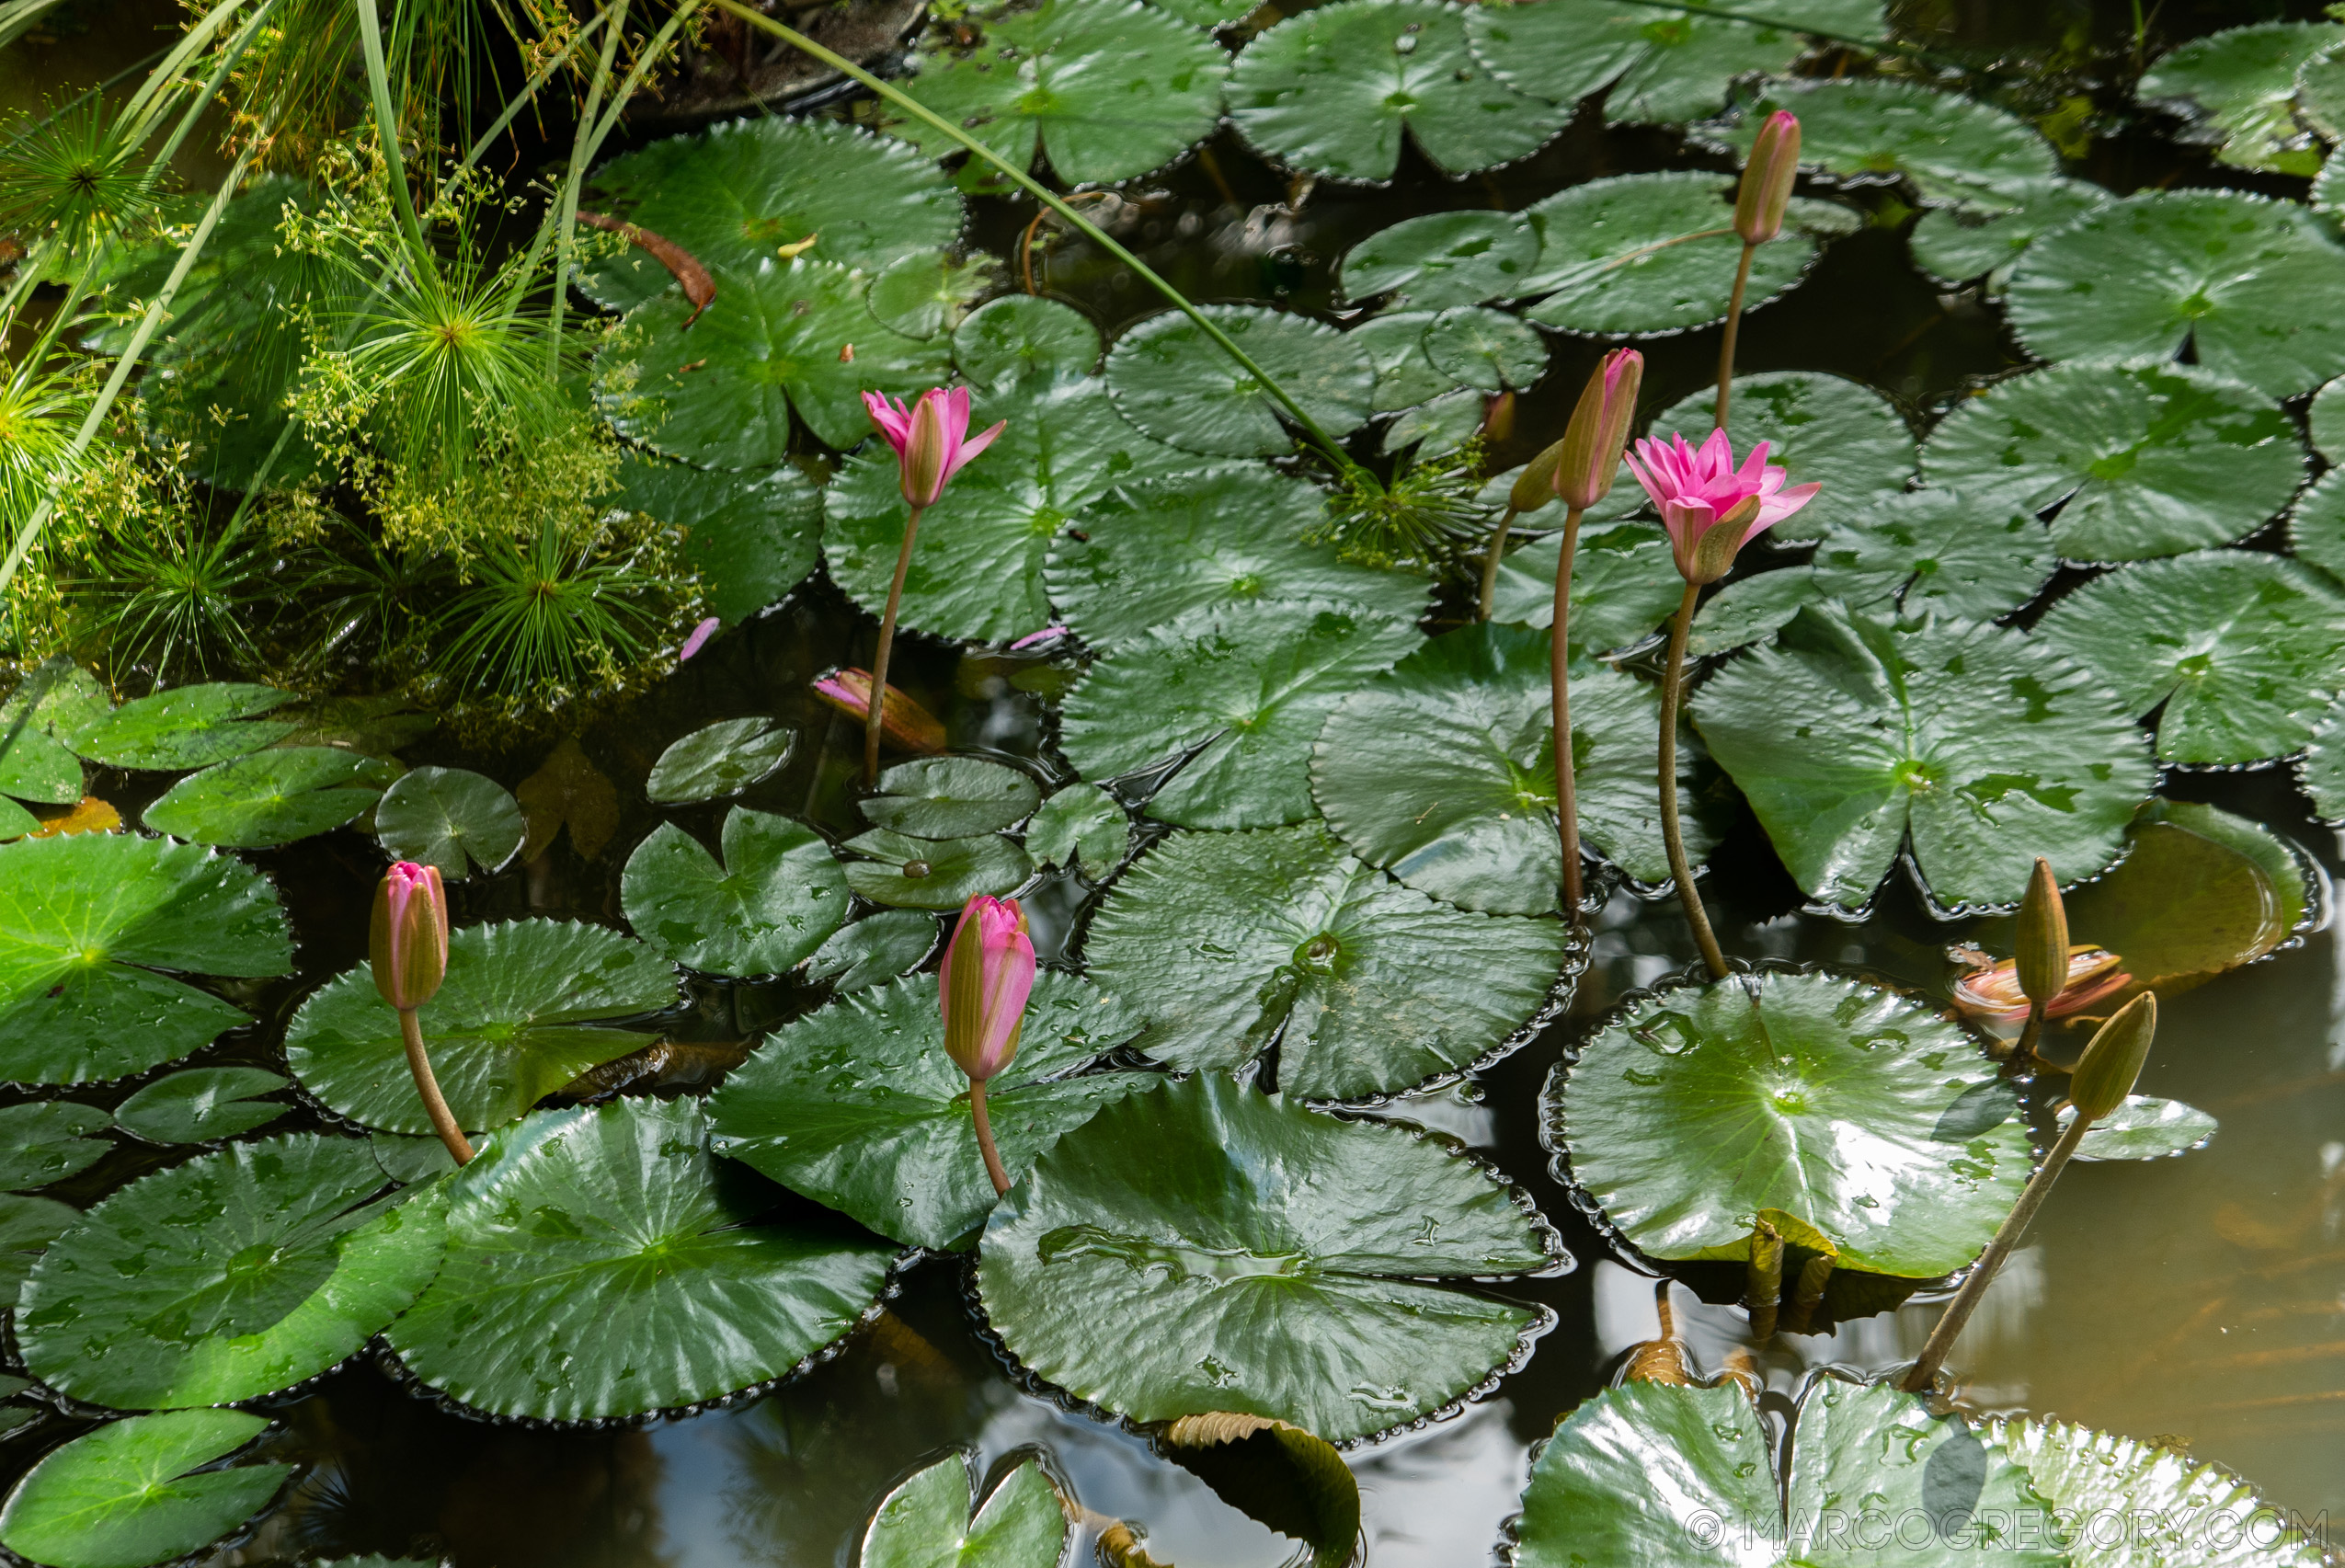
<point>1490,564</point>
<point>993,1170</point>
<point>1559,669</point>
<point>1734,329</point>
<point>443,1121</point>
<point>887,645</point>
<point>1672,683</point>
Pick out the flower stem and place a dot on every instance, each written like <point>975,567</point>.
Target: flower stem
<point>993,1170</point>
<point>1672,685</point>
<point>1490,564</point>
<point>887,646</point>
<point>2023,1055</point>
<point>443,1121</point>
<point>1567,804</point>
<point>1734,329</point>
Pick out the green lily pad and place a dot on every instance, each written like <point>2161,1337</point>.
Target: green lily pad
<point>2240,651</point>
<point>1082,824</point>
<point>1394,345</point>
<point>187,726</point>
<point>2143,1127</point>
<point>1958,244</point>
<point>1019,336</point>
<point>2320,94</point>
<point>601,1263</point>
<point>33,766</point>
<point>1624,583</point>
<point>858,1106</point>
<point>718,760</point>
<point>1750,611</point>
<point>1870,131</point>
<point>1441,425</point>
<point>47,1141</point>
<point>2200,891</point>
<point>132,1494</point>
<point>455,819</point>
<point>1442,771</point>
<point>735,194</point>
<point>515,1020</point>
<point>27,1227</point>
<point>721,392</point>
<point>1329,90</point>
<point>1648,253</point>
<point>2237,88</point>
<point>930,291</point>
<point>1276,1474</point>
<point>230,1277</point>
<point>271,797</point>
<point>750,538</point>
<point>1592,1497</point>
<point>1485,349</point>
<point>1818,428</point>
<point>2237,278</point>
<point>1203,1247</point>
<point>1243,690</point>
<point>933,874</point>
<point>1855,741</point>
<point>1225,942</point>
<point>408,1161</point>
<point>1843,1104</point>
<point>1107,89</point>
<point>2322,772</point>
<point>1442,258</point>
<point>202,1103</point>
<point>2143,460</point>
<point>777,897</point>
<point>1933,549</point>
<point>1174,383</point>
<point>85,919</point>
<point>976,563</point>
<point>2316,525</point>
<point>877,947</point>
<point>928,1521</point>
<point>1152,553</point>
<point>950,798</point>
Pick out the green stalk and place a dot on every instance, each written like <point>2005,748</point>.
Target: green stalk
<point>1559,674</point>
<point>878,714</point>
<point>145,105</point>
<point>581,149</point>
<point>1734,329</point>
<point>386,130</point>
<point>1672,835</point>
<point>1489,560</point>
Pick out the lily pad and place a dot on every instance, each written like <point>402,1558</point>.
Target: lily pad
<point>1082,824</point>
<point>858,1106</point>
<point>1405,375</point>
<point>733,195</point>
<point>1203,1247</point>
<point>950,798</point>
<point>1843,1104</point>
<point>515,1020</point>
<point>777,897</point>
<point>271,797</point>
<point>233,1275</point>
<point>1242,690</point>
<point>927,1521</point>
<point>1934,549</point>
<point>2142,460</point>
<point>27,1227</point>
<point>34,766</point>
<point>1871,131</point>
<point>930,291</point>
<point>1751,610</point>
<point>2237,88</point>
<point>1624,583</point>
<point>187,726</point>
<point>1484,349</point>
<point>134,1492</point>
<point>1174,383</point>
<point>1818,428</point>
<point>2143,1127</point>
<point>1442,258</point>
<point>1227,942</point>
<point>1441,425</point>
<point>933,874</point>
<point>2226,273</point>
<point>1019,336</point>
<point>450,818</point>
<point>750,537</point>
<point>202,1103</point>
<point>1329,90</point>
<point>1276,1474</point>
<point>2316,525</point>
<point>718,760</point>
<point>1959,245</point>
<point>2323,770</point>
<point>1107,89</point>
<point>2239,652</point>
<point>47,1141</point>
<point>85,921</point>
<point>2199,892</point>
<point>1442,772</point>
<point>875,948</point>
<point>1856,741</point>
<point>1150,553</point>
<point>601,1263</point>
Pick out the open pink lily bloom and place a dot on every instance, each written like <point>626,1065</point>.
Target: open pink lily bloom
<point>932,438</point>
<point>988,975</point>
<point>1695,488</point>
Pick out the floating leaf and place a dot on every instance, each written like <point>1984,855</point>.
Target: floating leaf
<point>1275,1473</point>
<point>2239,652</point>
<point>1225,942</point>
<point>187,726</point>
<point>202,1103</point>
<point>2238,85</point>
<point>1174,383</point>
<point>950,798</point>
<point>1624,582</point>
<point>2316,525</point>
<point>718,760</point>
<point>567,791</point>
<point>1203,1247</point>
<point>1441,425</point>
<point>27,1227</point>
<point>1750,611</point>
<point>1329,91</point>
<point>271,797</point>
<point>1818,428</point>
<point>929,292</point>
<point>1244,689</point>
<point>2142,460</point>
<point>2226,273</point>
<point>233,1275</point>
<point>933,874</point>
<point>875,948</point>
<point>858,1106</point>
<point>1958,244</point>
<point>1082,823</point>
<point>1442,258</point>
<point>33,766</point>
<point>452,818</point>
<point>927,1521</point>
<point>2143,1128</point>
<point>47,1141</point>
<point>654,1289</point>
<point>2323,771</point>
<point>751,538</point>
<point>1484,349</point>
<point>1933,550</point>
<point>776,897</point>
<point>2199,891</point>
<point>132,1494</point>
<point>1019,336</point>
<point>1871,131</point>
<point>1592,1497</point>
<point>1109,89</point>
<point>1405,375</point>
<point>77,914</point>
<point>514,1021</point>
<point>1854,740</point>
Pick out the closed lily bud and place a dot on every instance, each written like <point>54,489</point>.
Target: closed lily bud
<point>903,722</point>
<point>1598,432</point>
<point>1535,485</point>
<point>2113,1061</point>
<point>410,939</point>
<point>1768,174</point>
<point>2042,956</point>
<point>988,975</point>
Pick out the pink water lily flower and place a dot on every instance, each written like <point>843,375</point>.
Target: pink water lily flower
<point>1698,489</point>
<point>932,438</point>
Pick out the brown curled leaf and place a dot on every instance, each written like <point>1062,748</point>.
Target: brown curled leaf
<point>699,287</point>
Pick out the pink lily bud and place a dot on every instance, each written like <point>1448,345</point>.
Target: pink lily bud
<point>1590,460</point>
<point>410,939</point>
<point>988,975</point>
<point>1768,174</point>
<point>932,438</point>
<point>903,723</point>
<point>1710,507</point>
<point>1992,991</point>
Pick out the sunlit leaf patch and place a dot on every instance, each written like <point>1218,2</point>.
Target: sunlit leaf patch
<point>1442,258</point>
<point>776,898</point>
<point>751,537</point>
<point>2236,89</point>
<point>2144,1127</point>
<point>933,1519</point>
<point>139,1491</point>
<point>271,797</point>
<point>933,874</point>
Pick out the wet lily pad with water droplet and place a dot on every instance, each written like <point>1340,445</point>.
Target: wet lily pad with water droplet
<point>751,537</point>
<point>601,1263</point>
<point>47,1141</point>
<point>1935,550</point>
<point>1841,1104</point>
<point>1443,259</point>
<point>202,1103</point>
<point>1969,750</point>
<point>933,874</point>
<point>1751,610</point>
<point>1985,241</point>
<point>1870,131</point>
<point>930,291</point>
<point>1225,942</point>
<point>777,896</point>
<point>950,798</point>
<point>875,948</point>
<point>1818,428</point>
<point>2237,89</point>
<point>718,760</point>
<point>27,1227</point>
<point>2322,772</point>
<point>450,818</point>
<point>1172,381</point>
<point>1203,1247</point>
<point>2316,524</point>
<point>137,1492</point>
<point>2200,891</point>
<point>858,1106</point>
<point>932,1520</point>
<point>187,726</point>
<point>1624,580</point>
<point>271,797</point>
<point>1020,335</point>
<point>2144,1127</point>
<point>1083,826</point>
